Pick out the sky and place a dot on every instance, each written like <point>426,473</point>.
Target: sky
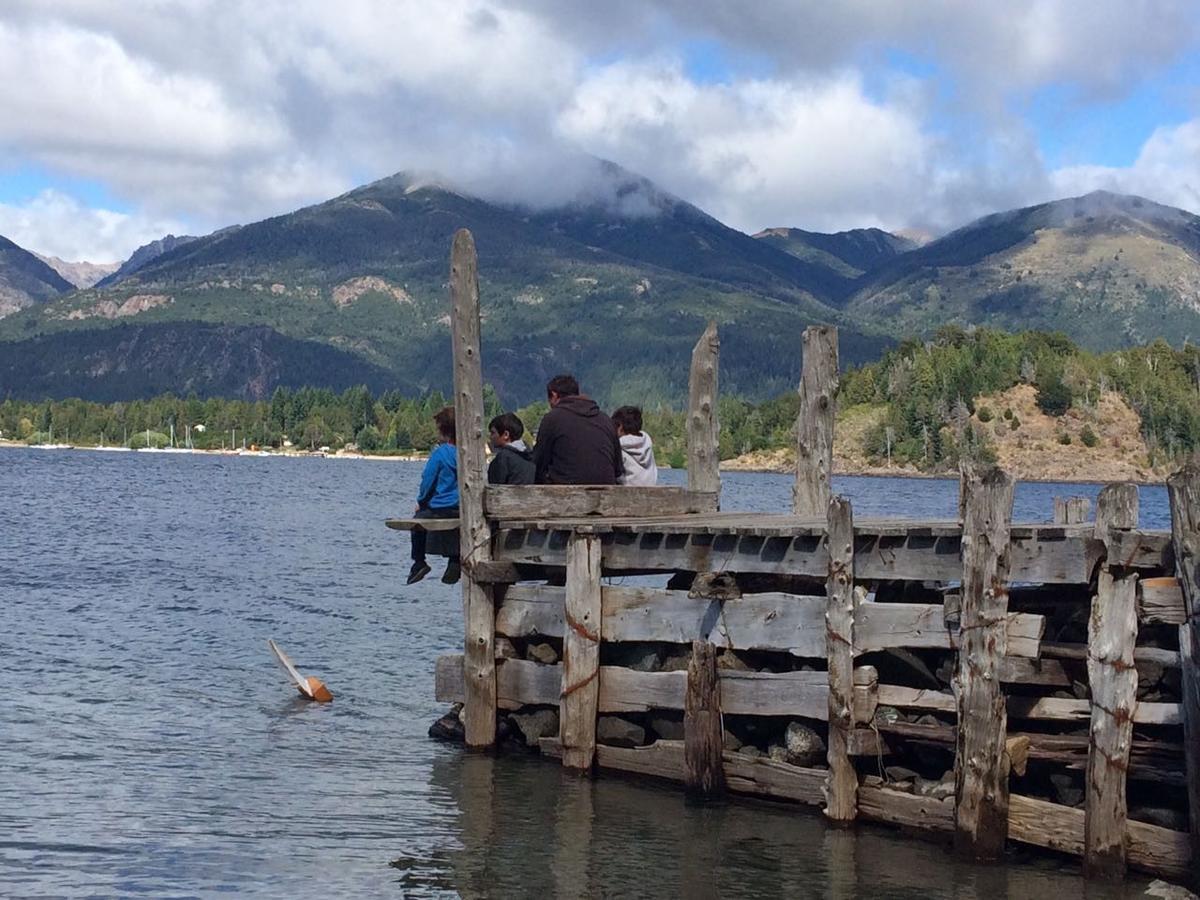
<point>126,120</point>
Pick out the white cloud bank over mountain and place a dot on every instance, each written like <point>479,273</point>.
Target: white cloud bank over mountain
<point>202,114</point>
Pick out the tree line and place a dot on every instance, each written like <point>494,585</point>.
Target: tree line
<point>927,391</point>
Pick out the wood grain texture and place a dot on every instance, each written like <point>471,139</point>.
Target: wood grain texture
<point>814,426</point>
<point>560,501</point>
<point>475,535</point>
<point>581,654</point>
<point>839,648</point>
<point>703,428</point>
<point>703,735</point>
<point>1112,633</point>
<point>981,773</point>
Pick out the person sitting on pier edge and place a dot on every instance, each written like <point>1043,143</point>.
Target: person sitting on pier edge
<point>513,461</point>
<point>637,450</point>
<point>576,442</point>
<point>437,498</point>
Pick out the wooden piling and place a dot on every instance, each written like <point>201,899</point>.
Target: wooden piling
<point>475,535</point>
<point>581,653</point>
<point>1071,510</point>
<point>814,426</point>
<point>981,765</point>
<point>1183,488</point>
<point>703,427</point>
<point>842,800</point>
<point>703,772</point>
<point>1112,632</point>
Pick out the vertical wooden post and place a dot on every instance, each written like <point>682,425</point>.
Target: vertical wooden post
<point>981,768</point>
<point>1184,490</point>
<point>814,426</point>
<point>703,740</point>
<point>842,791</point>
<point>703,429</point>
<point>475,535</point>
<point>581,653</point>
<point>1112,633</point>
<point>1071,510</point>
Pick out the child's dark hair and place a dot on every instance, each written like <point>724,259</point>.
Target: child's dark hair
<point>444,420</point>
<point>629,418</point>
<point>507,422</point>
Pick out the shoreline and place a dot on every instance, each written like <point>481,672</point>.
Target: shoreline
<point>859,472</point>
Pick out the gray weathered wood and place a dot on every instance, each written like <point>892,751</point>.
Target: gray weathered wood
<point>422,524</point>
<point>1112,633</point>
<point>581,653</point>
<point>981,789</point>
<point>703,736</point>
<point>814,426</point>
<point>703,429</point>
<point>1048,708</point>
<point>791,623</point>
<point>1183,489</point>
<point>1160,600</point>
<point>1071,510</point>
<point>475,535</point>
<point>1116,508</point>
<point>839,649</point>
<point>562,501</point>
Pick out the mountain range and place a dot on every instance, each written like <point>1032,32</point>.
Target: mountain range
<point>615,286</point>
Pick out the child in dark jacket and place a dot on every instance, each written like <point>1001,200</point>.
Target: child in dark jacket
<point>437,498</point>
<point>513,461</point>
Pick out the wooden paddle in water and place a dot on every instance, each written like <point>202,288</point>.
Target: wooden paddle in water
<point>311,687</point>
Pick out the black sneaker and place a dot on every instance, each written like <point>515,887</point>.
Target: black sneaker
<point>418,571</point>
<point>453,572</point>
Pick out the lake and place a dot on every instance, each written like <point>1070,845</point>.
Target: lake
<point>150,744</point>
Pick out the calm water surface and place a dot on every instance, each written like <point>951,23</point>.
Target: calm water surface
<point>149,744</point>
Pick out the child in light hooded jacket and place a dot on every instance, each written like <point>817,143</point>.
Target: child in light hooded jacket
<point>637,450</point>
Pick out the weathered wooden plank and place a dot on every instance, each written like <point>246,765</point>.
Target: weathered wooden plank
<point>839,647</point>
<point>814,426</point>
<point>475,534</point>
<point>1160,600</point>
<point>1019,670</point>
<point>1183,490</point>
<point>1056,827</point>
<point>703,429</point>
<point>581,653</point>
<point>1112,633</point>
<point>703,736</point>
<point>1117,507</point>
<point>1059,650</point>
<point>519,682</point>
<point>1048,708</point>
<point>422,524</point>
<point>981,775</point>
<point>879,626</point>
<point>1071,510</point>
<point>557,501</point>
<point>880,804</point>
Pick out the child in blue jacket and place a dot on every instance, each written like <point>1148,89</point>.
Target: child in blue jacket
<point>437,497</point>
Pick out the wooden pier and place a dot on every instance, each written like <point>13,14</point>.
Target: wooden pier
<point>819,624</point>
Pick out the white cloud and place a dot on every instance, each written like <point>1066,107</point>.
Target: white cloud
<point>210,113</point>
<point>55,224</point>
<point>1167,170</point>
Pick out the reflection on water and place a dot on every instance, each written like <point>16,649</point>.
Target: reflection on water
<point>150,745</point>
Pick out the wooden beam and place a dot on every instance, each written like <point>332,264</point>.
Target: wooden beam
<point>1045,708</point>
<point>1160,601</point>
<point>581,654</point>
<point>422,524</point>
<point>1112,633</point>
<point>1183,489</point>
<point>981,773</point>
<point>814,426</point>
<point>703,428</point>
<point>703,736</point>
<point>839,649</point>
<point>1071,510</point>
<point>791,623</point>
<point>1116,509</point>
<point>569,501</point>
<point>475,535</point>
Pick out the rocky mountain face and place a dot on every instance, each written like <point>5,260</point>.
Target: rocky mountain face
<point>25,280</point>
<point>81,274</point>
<point>140,257</point>
<point>1109,270</point>
<point>851,253</point>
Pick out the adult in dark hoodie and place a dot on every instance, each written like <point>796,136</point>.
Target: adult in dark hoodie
<point>576,442</point>
<point>512,461</point>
